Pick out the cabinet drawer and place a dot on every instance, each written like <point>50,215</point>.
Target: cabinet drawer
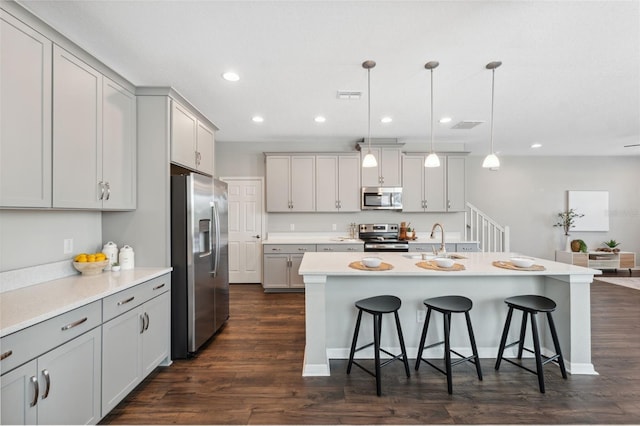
<point>25,345</point>
<point>627,260</point>
<point>339,247</point>
<point>288,248</point>
<point>428,247</point>
<point>156,286</point>
<point>468,247</point>
<point>128,299</point>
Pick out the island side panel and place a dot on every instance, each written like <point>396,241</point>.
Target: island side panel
<point>316,362</point>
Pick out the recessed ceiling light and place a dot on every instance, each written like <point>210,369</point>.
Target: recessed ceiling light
<point>231,76</point>
<point>536,145</point>
<point>386,120</point>
<point>319,119</point>
<point>257,119</point>
<point>444,120</point>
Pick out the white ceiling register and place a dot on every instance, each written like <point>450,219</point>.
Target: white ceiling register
<point>595,207</point>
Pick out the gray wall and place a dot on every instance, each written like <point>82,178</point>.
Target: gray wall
<point>526,194</point>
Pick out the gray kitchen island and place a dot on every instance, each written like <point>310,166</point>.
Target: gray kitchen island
<point>332,287</point>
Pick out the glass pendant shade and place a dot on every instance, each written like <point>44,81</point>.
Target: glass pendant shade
<point>369,160</point>
<point>432,160</point>
<point>491,161</point>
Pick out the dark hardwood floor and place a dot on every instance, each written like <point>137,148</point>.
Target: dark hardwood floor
<point>250,373</point>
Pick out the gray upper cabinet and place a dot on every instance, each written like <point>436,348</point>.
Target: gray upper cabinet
<point>389,170</point>
<point>192,141</point>
<point>337,183</point>
<point>436,189</point>
<point>291,183</point>
<point>94,149</point>
<point>25,115</point>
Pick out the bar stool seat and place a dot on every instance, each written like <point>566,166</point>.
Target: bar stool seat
<point>377,306</point>
<point>531,305</point>
<point>448,305</point>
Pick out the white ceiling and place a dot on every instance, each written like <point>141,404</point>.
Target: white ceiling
<point>570,78</point>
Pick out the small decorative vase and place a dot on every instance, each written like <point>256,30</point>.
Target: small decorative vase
<point>575,246</point>
<point>567,245</point>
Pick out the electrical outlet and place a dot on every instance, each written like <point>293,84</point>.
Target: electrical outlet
<point>68,246</point>
<point>421,314</point>
<point>334,227</point>
<point>292,227</point>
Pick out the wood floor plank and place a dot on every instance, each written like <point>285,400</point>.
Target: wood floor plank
<point>250,373</point>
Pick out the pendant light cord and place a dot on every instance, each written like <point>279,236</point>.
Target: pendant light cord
<point>369,108</point>
<point>493,78</point>
<point>432,110</point>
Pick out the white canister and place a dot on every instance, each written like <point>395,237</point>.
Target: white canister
<point>111,251</point>
<point>126,258</point>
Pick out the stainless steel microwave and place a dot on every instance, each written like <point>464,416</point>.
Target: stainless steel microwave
<point>381,198</point>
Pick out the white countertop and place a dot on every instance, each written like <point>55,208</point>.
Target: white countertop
<point>30,305</point>
<point>476,264</point>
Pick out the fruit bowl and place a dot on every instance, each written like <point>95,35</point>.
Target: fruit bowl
<point>90,268</point>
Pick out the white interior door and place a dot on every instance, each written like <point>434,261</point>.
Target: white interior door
<point>246,216</point>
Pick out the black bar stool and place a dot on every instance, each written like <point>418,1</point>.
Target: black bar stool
<point>530,305</point>
<point>377,306</point>
<point>447,305</point>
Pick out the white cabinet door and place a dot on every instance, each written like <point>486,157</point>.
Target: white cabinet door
<point>456,201</point>
<point>25,115</point>
<point>71,395</point>
<point>276,271</point>
<point>77,143</point>
<point>205,154</point>
<point>118,147</point>
<point>295,279</point>
<point>389,170</point>
<point>303,183</point>
<point>348,183</point>
<point>121,357</point>
<point>327,183</point>
<point>435,194</point>
<point>156,337</point>
<point>184,127</point>
<point>413,199</point>
<point>19,395</point>
<point>278,172</point>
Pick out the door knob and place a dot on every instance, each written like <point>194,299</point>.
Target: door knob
<point>256,236</point>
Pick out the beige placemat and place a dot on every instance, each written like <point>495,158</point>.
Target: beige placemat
<point>430,264</point>
<point>509,265</point>
<point>383,266</point>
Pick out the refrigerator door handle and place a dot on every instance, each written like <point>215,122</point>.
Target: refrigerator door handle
<point>216,232</point>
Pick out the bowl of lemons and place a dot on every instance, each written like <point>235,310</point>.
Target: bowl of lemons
<point>90,264</point>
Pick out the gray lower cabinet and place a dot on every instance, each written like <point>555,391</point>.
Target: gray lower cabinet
<point>135,337</point>
<point>62,386</point>
<point>450,247</point>
<point>280,266</point>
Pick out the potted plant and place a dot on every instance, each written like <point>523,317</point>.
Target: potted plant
<point>612,246</point>
<point>566,220</point>
<point>409,233</point>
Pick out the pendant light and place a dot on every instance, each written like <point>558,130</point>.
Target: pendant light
<point>369,160</point>
<point>491,161</point>
<point>432,159</point>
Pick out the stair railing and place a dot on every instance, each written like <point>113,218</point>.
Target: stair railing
<point>491,236</point>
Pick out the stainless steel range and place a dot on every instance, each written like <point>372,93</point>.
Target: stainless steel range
<point>382,237</point>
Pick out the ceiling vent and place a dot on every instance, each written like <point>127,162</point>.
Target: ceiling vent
<point>348,94</point>
<point>465,125</point>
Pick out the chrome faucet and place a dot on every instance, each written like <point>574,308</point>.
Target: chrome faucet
<point>442,250</point>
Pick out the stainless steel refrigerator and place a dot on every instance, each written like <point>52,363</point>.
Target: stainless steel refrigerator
<point>200,261</point>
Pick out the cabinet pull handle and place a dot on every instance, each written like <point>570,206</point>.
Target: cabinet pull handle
<point>101,183</point>
<point>158,287</point>
<point>141,323</point>
<point>47,379</point>
<point>327,249</point>
<point>34,381</point>
<point>106,184</point>
<point>146,327</point>
<point>276,249</point>
<point>124,302</point>
<point>302,249</point>
<point>74,324</point>
<point>6,355</point>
